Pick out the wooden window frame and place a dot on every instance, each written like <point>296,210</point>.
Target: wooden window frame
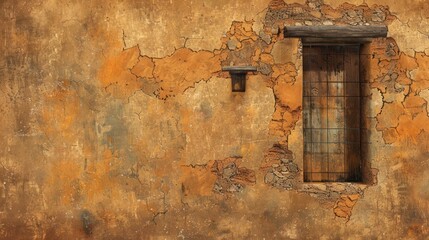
<point>331,130</point>
<point>336,36</point>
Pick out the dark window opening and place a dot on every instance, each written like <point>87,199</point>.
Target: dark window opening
<point>332,113</point>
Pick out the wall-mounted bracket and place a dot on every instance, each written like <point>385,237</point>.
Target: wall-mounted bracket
<point>238,76</point>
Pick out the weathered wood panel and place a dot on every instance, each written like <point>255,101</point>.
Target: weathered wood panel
<point>331,113</point>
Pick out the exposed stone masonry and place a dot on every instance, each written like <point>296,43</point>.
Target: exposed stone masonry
<point>106,138</point>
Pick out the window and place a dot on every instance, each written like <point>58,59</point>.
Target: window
<point>332,100</point>
<point>331,113</point>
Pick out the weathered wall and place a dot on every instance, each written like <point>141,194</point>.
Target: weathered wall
<point>117,122</point>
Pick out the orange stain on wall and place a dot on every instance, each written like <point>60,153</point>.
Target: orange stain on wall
<point>64,181</point>
<point>77,185</point>
<point>99,180</point>
<point>183,69</point>
<point>115,73</point>
<point>59,112</point>
<point>198,180</point>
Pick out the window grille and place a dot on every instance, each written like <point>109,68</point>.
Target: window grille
<point>332,113</point>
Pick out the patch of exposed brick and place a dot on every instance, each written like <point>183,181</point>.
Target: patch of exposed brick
<point>344,205</point>
<point>282,175</point>
<point>230,177</point>
<point>317,13</point>
<point>280,170</point>
<point>242,46</point>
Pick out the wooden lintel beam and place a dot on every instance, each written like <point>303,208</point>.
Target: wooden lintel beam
<point>335,31</point>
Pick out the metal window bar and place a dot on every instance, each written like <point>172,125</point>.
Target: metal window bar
<point>332,115</point>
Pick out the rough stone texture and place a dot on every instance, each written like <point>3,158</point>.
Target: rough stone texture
<point>118,123</point>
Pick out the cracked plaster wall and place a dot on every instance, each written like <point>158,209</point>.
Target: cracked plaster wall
<point>118,123</point>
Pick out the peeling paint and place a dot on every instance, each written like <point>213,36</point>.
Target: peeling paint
<point>119,123</point>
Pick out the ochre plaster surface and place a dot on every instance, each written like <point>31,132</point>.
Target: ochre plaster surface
<point>118,123</point>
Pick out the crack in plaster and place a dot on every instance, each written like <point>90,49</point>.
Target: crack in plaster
<point>244,37</point>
